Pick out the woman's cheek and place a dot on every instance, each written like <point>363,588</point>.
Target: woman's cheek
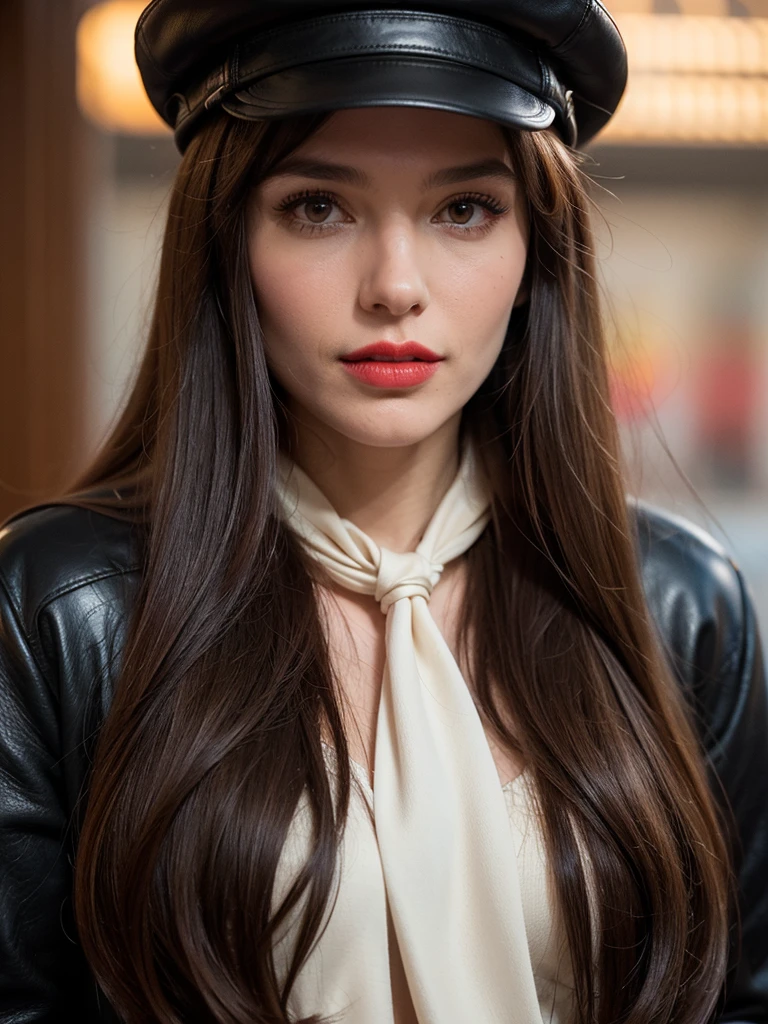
<point>299,288</point>
<point>480,301</point>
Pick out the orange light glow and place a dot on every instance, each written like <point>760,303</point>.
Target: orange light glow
<point>109,89</point>
<point>696,109</point>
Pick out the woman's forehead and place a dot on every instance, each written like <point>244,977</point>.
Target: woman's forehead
<point>404,139</point>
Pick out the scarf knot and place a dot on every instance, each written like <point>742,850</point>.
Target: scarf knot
<point>448,859</point>
<point>399,576</point>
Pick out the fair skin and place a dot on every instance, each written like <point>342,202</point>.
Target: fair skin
<point>387,251</point>
<point>391,260</point>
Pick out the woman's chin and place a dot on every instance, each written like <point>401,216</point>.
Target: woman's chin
<point>398,437</point>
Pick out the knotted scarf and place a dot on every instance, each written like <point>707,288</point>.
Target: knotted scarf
<point>441,820</point>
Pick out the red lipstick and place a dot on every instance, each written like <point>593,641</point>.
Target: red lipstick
<point>389,350</point>
<point>387,365</point>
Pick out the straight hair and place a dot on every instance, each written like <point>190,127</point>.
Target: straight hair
<point>225,683</point>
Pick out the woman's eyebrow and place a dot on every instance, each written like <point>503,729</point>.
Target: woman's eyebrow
<point>318,170</point>
<point>482,169</point>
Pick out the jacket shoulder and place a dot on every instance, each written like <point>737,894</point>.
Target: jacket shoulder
<point>681,562</point>
<point>55,550</point>
<point>702,608</point>
<point>707,625</point>
<point>68,581</point>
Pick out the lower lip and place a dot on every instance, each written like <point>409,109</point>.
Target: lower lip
<point>389,374</point>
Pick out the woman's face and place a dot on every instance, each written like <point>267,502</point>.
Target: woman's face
<point>389,225</point>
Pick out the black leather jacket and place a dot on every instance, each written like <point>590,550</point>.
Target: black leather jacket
<point>67,581</point>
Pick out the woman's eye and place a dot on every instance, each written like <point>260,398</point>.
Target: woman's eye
<point>470,212</point>
<point>462,213</point>
<point>316,211</point>
<point>312,210</point>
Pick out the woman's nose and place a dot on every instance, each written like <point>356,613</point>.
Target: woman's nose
<point>392,273</point>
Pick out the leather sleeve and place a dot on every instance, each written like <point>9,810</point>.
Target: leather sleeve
<point>707,626</point>
<point>41,969</point>
<point>741,763</point>
<point>64,585</point>
<point>43,974</point>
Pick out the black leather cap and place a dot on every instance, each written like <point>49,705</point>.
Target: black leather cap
<point>530,64</point>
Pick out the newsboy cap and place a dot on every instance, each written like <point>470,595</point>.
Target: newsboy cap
<point>530,64</point>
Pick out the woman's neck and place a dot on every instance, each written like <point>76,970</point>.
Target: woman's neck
<point>390,493</point>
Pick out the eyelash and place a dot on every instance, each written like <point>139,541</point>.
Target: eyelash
<point>290,203</point>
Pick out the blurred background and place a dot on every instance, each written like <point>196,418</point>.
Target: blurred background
<point>681,190</point>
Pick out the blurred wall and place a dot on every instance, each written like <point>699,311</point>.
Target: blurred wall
<point>43,173</point>
<point>684,260</point>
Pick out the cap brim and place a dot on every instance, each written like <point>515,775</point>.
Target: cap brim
<point>384,82</point>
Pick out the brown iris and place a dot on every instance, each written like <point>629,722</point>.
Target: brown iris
<point>317,210</point>
<point>463,210</point>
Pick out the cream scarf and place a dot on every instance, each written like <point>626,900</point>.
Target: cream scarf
<point>442,823</point>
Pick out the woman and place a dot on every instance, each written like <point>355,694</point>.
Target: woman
<point>345,677</point>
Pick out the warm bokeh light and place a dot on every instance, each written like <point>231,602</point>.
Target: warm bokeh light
<point>692,109</point>
<point>674,44</point>
<point>696,77</point>
<point>109,88</point>
<point>693,79</point>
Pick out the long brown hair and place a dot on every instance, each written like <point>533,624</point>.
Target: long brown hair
<point>226,680</point>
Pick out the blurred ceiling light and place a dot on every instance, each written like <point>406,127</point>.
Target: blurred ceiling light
<point>696,77</point>
<point>109,89</point>
<point>695,109</point>
<point>672,44</point>
<point>754,8</point>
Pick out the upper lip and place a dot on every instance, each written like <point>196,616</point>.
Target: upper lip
<point>405,350</point>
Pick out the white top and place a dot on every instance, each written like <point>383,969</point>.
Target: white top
<point>348,971</point>
<point>442,862</point>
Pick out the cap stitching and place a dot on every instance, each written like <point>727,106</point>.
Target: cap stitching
<point>141,38</point>
<point>331,19</point>
<point>235,65</point>
<point>567,43</point>
<point>265,72</point>
<point>465,57</point>
<point>409,63</point>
